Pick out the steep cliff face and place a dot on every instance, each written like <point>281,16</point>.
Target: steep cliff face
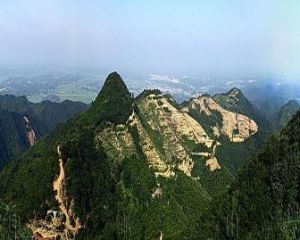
<point>127,168</point>
<point>31,136</point>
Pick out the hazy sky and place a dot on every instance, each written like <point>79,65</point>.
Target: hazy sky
<point>155,35</point>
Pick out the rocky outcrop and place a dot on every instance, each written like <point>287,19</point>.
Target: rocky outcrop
<point>155,159</point>
<point>117,141</point>
<point>31,136</point>
<point>174,126</point>
<point>213,164</point>
<point>237,127</point>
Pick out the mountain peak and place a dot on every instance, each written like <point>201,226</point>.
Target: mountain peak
<point>114,102</point>
<point>113,82</point>
<point>235,92</point>
<point>290,107</point>
<point>286,113</point>
<point>293,103</point>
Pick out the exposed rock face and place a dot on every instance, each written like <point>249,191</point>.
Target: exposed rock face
<point>72,223</point>
<point>213,164</point>
<point>31,136</point>
<point>38,236</point>
<point>175,126</point>
<point>155,159</point>
<point>157,193</point>
<point>117,142</point>
<point>237,127</point>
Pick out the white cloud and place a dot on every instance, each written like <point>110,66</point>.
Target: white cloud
<point>251,81</point>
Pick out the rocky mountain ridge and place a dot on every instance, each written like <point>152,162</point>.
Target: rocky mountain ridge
<point>131,167</point>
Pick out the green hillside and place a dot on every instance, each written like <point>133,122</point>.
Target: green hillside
<point>263,202</point>
<point>10,225</point>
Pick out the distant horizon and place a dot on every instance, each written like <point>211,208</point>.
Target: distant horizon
<point>172,37</point>
<point>83,84</point>
<point>52,68</point>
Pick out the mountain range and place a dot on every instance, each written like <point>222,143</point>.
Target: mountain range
<point>150,168</point>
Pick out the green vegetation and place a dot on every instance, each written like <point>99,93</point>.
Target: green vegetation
<point>174,213</point>
<point>34,196</point>
<point>191,146</point>
<point>214,182</point>
<point>285,114</point>
<point>113,104</point>
<point>146,93</point>
<point>10,225</point>
<point>263,203</point>
<point>234,155</point>
<point>112,199</point>
<point>13,139</point>
<point>156,136</point>
<point>29,193</point>
<point>51,113</point>
<point>15,104</point>
<point>89,183</point>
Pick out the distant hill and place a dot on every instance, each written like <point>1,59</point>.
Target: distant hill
<point>52,113</point>
<point>285,114</point>
<point>271,96</point>
<point>22,123</point>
